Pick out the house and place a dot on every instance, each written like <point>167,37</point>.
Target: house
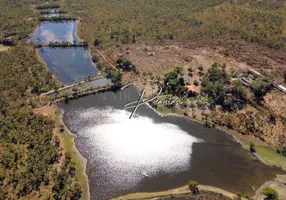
<point>186,80</point>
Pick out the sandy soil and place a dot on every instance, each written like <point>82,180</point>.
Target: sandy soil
<point>4,48</point>
<point>184,190</point>
<point>159,59</point>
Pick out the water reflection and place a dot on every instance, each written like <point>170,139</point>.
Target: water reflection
<point>153,153</point>
<point>55,32</point>
<point>127,151</point>
<point>69,64</point>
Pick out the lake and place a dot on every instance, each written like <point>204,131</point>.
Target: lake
<point>151,152</point>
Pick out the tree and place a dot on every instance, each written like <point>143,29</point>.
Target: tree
<point>201,68</point>
<point>177,68</point>
<point>282,150</point>
<point>193,186</point>
<point>272,118</point>
<point>270,194</point>
<point>181,90</point>
<point>252,147</point>
<point>116,76</point>
<point>62,128</point>
<point>97,42</point>
<point>125,64</point>
<point>171,81</point>
<point>76,192</point>
<point>260,87</point>
<point>181,81</point>
<point>284,75</point>
<point>196,83</point>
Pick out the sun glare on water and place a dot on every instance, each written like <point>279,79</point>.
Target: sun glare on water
<point>130,150</point>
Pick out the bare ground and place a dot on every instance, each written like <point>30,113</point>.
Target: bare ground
<point>158,59</point>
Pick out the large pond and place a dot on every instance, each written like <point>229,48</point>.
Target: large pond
<point>152,152</point>
<point>69,64</point>
<point>55,32</point>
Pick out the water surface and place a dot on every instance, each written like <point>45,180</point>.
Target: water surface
<point>55,32</point>
<point>152,153</point>
<point>69,64</point>
<point>87,85</point>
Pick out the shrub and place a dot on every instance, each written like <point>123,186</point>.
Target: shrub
<point>196,83</point>
<point>270,194</point>
<point>193,186</point>
<point>260,87</point>
<point>252,147</point>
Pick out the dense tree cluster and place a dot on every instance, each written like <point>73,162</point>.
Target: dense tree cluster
<point>173,84</point>
<point>217,86</point>
<point>112,73</point>
<point>63,189</point>
<point>125,64</point>
<point>260,87</point>
<point>29,150</point>
<point>18,19</point>
<point>259,22</point>
<point>57,18</point>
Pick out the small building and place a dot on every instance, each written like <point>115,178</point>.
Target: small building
<point>282,88</point>
<point>186,80</point>
<point>254,72</point>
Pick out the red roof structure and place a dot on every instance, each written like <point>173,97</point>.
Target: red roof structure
<point>193,88</point>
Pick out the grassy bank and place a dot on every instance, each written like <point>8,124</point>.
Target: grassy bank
<point>68,146</point>
<point>265,153</point>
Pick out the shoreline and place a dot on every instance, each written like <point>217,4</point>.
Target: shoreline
<point>46,66</point>
<point>78,157</point>
<point>183,190</point>
<point>207,188</point>
<point>67,143</point>
<point>233,133</point>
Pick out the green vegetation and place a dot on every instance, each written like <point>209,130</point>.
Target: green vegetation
<point>173,84</point>
<point>216,85</point>
<point>15,22</point>
<point>193,186</point>
<point>252,147</point>
<point>282,150</point>
<point>30,150</point>
<point>270,194</point>
<point>125,64</point>
<point>196,83</point>
<point>177,68</point>
<point>260,22</point>
<point>260,87</point>
<point>63,189</point>
<point>116,77</point>
<point>112,73</point>
<point>57,18</point>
